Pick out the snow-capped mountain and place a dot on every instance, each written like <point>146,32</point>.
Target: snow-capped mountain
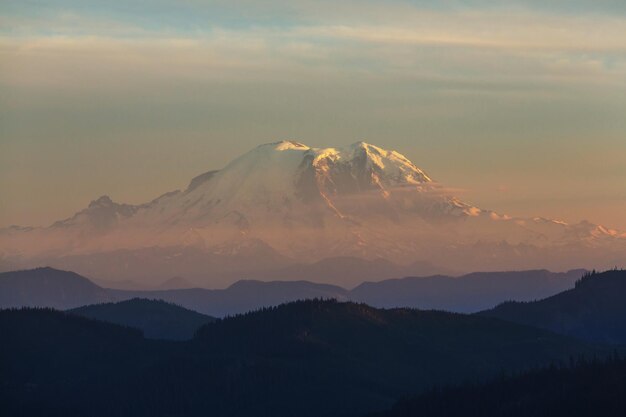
<point>286,200</point>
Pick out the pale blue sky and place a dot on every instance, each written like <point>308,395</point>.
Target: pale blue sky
<point>521,105</point>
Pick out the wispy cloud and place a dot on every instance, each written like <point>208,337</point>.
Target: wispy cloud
<point>457,75</point>
<point>400,36</point>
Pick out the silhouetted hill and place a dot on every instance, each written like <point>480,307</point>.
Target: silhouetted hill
<point>347,271</point>
<point>240,297</point>
<point>582,389</point>
<point>468,293</point>
<point>310,358</point>
<point>360,357</point>
<point>45,355</point>
<point>48,287</point>
<point>594,310</point>
<point>157,319</point>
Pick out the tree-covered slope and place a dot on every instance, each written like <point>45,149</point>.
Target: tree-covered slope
<point>595,309</point>
<point>584,388</point>
<point>309,358</point>
<point>157,319</point>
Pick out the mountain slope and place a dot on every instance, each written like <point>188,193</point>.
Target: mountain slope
<point>468,293</point>
<point>48,287</point>
<point>155,318</point>
<point>584,389</point>
<point>307,358</point>
<point>56,364</point>
<point>242,296</point>
<point>594,310</point>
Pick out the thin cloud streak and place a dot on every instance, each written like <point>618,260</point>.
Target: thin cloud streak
<point>443,84</point>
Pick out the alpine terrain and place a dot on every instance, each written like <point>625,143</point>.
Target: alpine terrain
<point>284,204</point>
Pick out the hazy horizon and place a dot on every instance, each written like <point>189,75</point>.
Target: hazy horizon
<point>520,106</point>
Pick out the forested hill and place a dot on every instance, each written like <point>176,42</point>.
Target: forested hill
<point>156,318</point>
<point>310,358</point>
<point>583,388</point>
<point>594,310</point>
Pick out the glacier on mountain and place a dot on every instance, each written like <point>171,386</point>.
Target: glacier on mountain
<point>305,204</point>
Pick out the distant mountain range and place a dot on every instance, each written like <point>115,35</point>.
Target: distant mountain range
<point>308,358</point>
<point>589,306</point>
<point>156,319</point>
<point>316,357</point>
<point>594,310</point>
<point>283,208</point>
<point>474,292</point>
<point>140,269</point>
<point>467,293</point>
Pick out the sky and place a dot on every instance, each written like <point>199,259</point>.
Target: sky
<point>518,105</point>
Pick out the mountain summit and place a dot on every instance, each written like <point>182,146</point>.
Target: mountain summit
<point>292,171</point>
<point>288,202</point>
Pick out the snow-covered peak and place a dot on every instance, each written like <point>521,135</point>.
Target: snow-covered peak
<point>290,144</point>
<point>360,167</point>
<point>282,171</point>
<point>367,147</point>
<point>393,165</point>
<point>290,182</point>
<point>284,145</point>
<point>308,203</point>
<point>261,177</point>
